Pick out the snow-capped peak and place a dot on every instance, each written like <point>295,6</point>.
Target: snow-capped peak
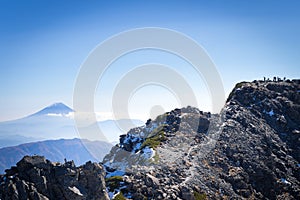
<point>56,109</point>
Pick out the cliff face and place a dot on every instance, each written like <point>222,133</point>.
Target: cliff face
<point>37,178</point>
<point>250,150</point>
<point>257,154</point>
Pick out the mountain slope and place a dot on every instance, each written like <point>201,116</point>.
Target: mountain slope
<point>249,150</point>
<point>55,150</point>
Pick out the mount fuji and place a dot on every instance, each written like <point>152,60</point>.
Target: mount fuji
<point>51,123</point>
<point>59,109</point>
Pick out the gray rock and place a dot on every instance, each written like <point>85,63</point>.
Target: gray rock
<point>255,153</point>
<point>39,179</point>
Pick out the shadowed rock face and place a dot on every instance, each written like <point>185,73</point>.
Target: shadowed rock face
<point>34,177</point>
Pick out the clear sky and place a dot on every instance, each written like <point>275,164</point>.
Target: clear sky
<point>43,44</point>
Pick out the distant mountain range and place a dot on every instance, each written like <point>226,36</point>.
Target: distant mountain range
<point>50,123</point>
<point>51,132</point>
<point>56,150</point>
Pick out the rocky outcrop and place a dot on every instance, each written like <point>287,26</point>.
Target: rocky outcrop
<point>36,178</point>
<point>257,154</point>
<point>174,140</point>
<point>248,151</point>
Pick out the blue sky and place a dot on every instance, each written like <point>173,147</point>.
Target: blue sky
<point>43,43</point>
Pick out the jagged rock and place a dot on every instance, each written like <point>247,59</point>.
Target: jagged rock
<point>152,181</point>
<point>251,150</point>
<point>39,179</point>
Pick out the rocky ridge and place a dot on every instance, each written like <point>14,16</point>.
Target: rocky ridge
<point>160,152</point>
<point>249,151</point>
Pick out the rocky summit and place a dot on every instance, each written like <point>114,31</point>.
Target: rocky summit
<point>36,178</point>
<point>250,150</point>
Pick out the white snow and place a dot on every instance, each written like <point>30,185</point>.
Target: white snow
<point>75,190</point>
<point>223,124</point>
<point>142,134</point>
<point>184,114</point>
<point>137,146</point>
<point>271,113</point>
<point>283,180</point>
<point>127,138</point>
<point>121,166</point>
<point>115,173</point>
<point>111,195</point>
<point>148,152</point>
<point>69,115</point>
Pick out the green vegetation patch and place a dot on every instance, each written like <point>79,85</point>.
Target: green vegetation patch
<point>154,141</point>
<point>114,182</point>
<point>156,158</point>
<point>239,85</point>
<point>157,130</point>
<point>199,196</point>
<point>119,196</point>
